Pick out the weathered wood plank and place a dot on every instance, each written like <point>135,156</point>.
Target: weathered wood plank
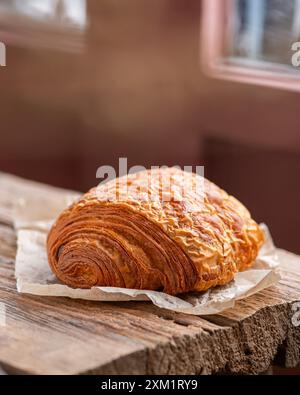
<point>14,191</point>
<point>59,335</point>
<point>7,243</point>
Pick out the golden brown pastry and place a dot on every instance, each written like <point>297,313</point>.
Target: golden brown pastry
<point>174,242</point>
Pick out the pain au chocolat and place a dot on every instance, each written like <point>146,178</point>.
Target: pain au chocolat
<point>132,233</point>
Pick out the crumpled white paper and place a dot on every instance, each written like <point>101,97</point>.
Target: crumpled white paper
<point>34,276</point>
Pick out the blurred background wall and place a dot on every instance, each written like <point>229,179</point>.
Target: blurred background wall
<point>138,91</point>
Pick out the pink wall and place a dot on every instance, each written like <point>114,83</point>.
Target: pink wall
<point>138,90</point>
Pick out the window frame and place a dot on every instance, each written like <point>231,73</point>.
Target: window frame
<point>215,33</point>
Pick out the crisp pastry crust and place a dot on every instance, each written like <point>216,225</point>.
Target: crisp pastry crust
<point>115,235</point>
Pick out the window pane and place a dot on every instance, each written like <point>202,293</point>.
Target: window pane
<point>265,29</point>
<point>71,12</point>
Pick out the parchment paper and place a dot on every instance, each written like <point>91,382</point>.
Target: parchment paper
<point>35,277</point>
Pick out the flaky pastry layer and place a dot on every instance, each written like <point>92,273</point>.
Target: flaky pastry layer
<point>132,232</point>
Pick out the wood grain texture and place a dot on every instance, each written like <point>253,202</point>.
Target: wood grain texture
<point>45,335</point>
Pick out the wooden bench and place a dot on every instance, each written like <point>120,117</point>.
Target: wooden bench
<point>48,335</point>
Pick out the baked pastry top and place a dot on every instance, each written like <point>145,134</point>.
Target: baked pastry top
<point>154,230</point>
